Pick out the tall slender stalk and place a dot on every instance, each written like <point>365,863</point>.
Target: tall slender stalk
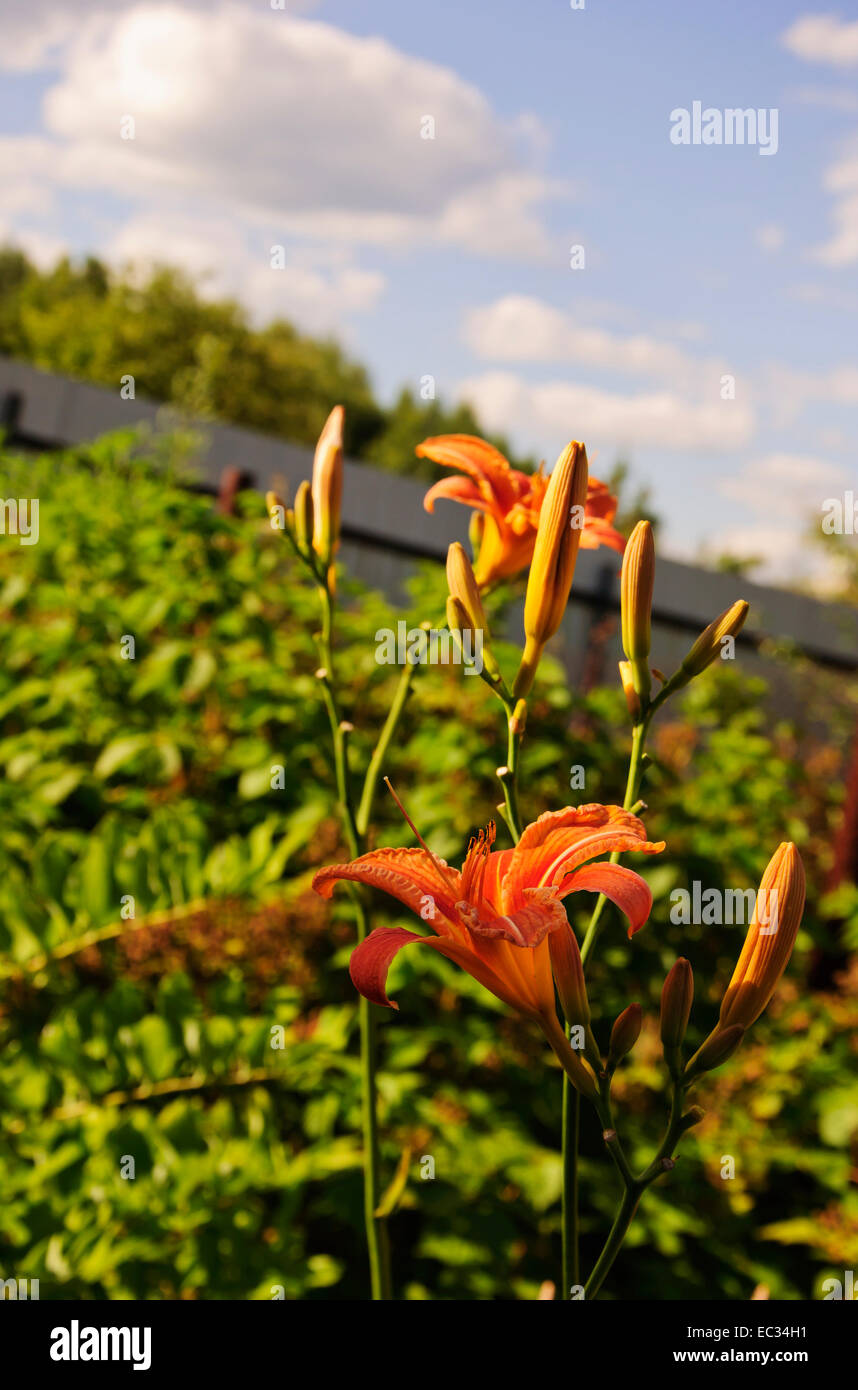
<point>634,1188</point>
<point>508,775</point>
<point>571,1103</point>
<point>356,825</point>
<point>571,1123</point>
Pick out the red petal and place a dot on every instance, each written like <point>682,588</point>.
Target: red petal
<point>561,840</point>
<point>371,961</point>
<point>458,490</point>
<point>479,459</point>
<point>623,886</point>
<point>410,875</point>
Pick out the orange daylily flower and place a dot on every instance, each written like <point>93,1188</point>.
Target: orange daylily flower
<point>498,916</point>
<point>510,502</point>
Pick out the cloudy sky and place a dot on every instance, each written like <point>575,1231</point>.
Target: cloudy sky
<point>305,127</point>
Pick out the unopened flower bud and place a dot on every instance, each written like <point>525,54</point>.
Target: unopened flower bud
<point>279,515</point>
<point>636,585</point>
<point>770,939</point>
<point>624,1034</point>
<point>692,1117</point>
<point>328,486</point>
<point>467,613</point>
<point>708,645</point>
<point>558,537</point>
<point>718,1047</point>
<point>463,586</point>
<point>303,515</point>
<point>676,996</point>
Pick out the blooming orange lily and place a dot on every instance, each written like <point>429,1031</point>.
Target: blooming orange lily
<point>497,917</point>
<point>510,502</point>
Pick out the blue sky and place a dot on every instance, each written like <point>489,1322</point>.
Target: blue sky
<point>449,257</point>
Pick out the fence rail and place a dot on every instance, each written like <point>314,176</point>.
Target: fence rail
<point>386,528</point>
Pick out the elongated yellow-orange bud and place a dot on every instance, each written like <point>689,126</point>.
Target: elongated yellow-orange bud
<point>303,516</point>
<point>463,586</point>
<point>676,998</point>
<point>628,683</point>
<point>636,585</point>
<point>328,486</point>
<point>558,536</point>
<point>278,513</point>
<point>708,645</point>
<point>624,1034</point>
<point>770,939</point>
<point>569,975</point>
<point>457,619</point>
<point>764,956</point>
<point>716,1050</point>
<point>465,612</point>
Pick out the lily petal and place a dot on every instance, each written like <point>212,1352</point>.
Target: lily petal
<point>371,960</point>
<point>476,457</point>
<point>460,490</point>
<point>626,889</point>
<point>559,841</point>
<point>410,875</point>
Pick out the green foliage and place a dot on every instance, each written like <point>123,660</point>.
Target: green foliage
<point>151,778</point>
<point>204,356</point>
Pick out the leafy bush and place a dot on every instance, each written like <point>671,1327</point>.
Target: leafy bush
<point>149,1037</point>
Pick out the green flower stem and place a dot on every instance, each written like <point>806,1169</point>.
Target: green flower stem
<point>571,1124</point>
<point>571,1105</point>
<point>373,772</point>
<point>613,1244</point>
<point>508,775</point>
<point>378,1244</point>
<point>634,1188</point>
<point>636,767</point>
<point>377,1236</point>
<point>339,727</point>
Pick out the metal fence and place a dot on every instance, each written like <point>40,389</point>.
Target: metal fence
<point>386,531</point>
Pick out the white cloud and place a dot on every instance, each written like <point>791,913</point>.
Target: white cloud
<point>316,289</point>
<point>827,39</point>
<point>519,328</point>
<point>283,118</point>
<point>788,492</point>
<point>823,38</point>
<point>841,179</point>
<point>789,391</point>
<point>565,410</point>
<point>834,98</point>
<point>770,237</point>
<point>37,33</point>
<point>784,485</point>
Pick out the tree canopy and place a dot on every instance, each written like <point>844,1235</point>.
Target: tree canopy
<point>206,356</point>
